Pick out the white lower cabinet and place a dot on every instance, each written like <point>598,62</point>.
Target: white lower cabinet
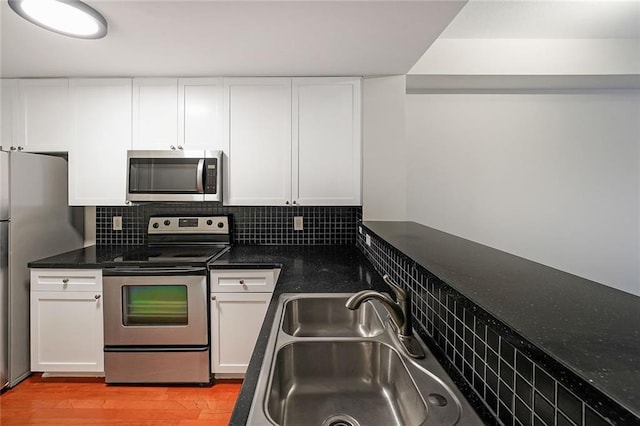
<point>66,321</point>
<point>236,318</point>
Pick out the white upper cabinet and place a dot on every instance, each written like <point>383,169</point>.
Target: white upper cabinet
<point>258,121</point>
<point>101,137</point>
<point>200,113</point>
<point>43,115</point>
<point>172,113</point>
<point>9,112</point>
<point>326,144</point>
<point>155,113</point>
<point>293,141</point>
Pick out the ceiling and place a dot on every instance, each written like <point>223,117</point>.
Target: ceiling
<point>231,38</point>
<point>294,38</point>
<point>546,19</point>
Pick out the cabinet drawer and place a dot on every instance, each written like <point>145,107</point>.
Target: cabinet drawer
<point>66,280</point>
<point>244,280</point>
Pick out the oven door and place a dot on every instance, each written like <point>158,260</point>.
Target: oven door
<point>155,310</point>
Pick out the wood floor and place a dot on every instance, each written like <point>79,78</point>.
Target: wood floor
<point>88,401</point>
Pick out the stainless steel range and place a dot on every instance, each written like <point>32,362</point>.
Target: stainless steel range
<point>156,311</point>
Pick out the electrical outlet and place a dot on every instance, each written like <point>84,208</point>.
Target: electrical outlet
<point>298,223</point>
<point>367,239</point>
<point>117,223</point>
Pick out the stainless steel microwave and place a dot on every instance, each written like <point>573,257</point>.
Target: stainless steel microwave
<point>174,175</point>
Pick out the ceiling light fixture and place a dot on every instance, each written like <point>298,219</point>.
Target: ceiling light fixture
<point>69,17</point>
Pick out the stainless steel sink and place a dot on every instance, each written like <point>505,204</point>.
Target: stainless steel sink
<point>364,382</point>
<point>328,366</point>
<point>327,316</point>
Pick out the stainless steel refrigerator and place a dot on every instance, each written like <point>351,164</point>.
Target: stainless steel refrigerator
<point>35,222</point>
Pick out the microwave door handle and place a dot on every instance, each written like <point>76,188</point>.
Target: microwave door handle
<point>200,176</point>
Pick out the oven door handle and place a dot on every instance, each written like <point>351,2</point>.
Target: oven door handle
<point>172,270</point>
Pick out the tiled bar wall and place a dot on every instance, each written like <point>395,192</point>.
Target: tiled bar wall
<point>251,225</point>
<point>507,379</point>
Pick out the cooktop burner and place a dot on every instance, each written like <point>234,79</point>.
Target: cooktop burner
<point>192,240</point>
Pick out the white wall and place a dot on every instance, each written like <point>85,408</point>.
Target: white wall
<point>554,178</point>
<point>384,166</point>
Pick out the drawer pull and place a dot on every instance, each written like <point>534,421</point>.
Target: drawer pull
<point>242,282</point>
<point>65,281</point>
<point>97,296</point>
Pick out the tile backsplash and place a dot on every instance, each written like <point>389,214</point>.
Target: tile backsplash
<point>251,225</point>
<point>509,381</point>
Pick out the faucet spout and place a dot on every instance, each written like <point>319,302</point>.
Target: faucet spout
<point>399,313</point>
<point>395,311</point>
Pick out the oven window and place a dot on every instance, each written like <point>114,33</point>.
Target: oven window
<point>154,305</point>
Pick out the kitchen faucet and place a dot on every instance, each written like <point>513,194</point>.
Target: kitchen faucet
<point>399,313</point>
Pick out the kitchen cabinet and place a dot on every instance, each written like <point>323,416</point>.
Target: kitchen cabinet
<point>326,141</point>
<point>101,122</point>
<point>66,321</point>
<point>43,116</point>
<point>172,113</point>
<point>293,141</point>
<point>239,302</point>
<point>9,112</point>
<point>258,117</point>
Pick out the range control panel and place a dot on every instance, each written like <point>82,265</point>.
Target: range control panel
<point>188,225</point>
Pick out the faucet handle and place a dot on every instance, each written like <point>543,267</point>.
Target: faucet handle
<point>401,295</point>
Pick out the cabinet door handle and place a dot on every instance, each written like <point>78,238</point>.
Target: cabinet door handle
<point>97,296</point>
<point>180,147</point>
<point>286,202</point>
<point>12,148</point>
<point>241,282</point>
<point>213,298</point>
<point>20,148</point>
<point>294,203</point>
<point>65,280</point>
<point>172,147</point>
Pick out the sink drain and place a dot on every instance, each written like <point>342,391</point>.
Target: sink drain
<point>340,420</point>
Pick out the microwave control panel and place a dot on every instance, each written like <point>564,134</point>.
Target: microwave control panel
<point>211,179</point>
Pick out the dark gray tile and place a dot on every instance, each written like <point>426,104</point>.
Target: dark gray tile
<point>524,366</point>
<point>524,390</point>
<point>569,405</point>
<point>507,352</point>
<point>543,409</point>
<point>545,384</point>
<point>563,421</point>
<point>523,413</point>
<point>591,418</point>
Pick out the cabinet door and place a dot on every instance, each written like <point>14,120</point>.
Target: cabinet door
<point>200,114</point>
<point>326,141</point>
<point>236,320</point>
<point>101,138</point>
<point>66,332</point>
<point>258,114</point>
<point>155,113</point>
<point>43,115</point>
<point>9,113</point>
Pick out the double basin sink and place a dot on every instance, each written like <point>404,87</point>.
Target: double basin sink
<point>327,365</point>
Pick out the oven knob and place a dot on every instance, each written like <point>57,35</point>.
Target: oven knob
<point>167,222</point>
<point>220,225</point>
<point>209,222</point>
<point>156,225</point>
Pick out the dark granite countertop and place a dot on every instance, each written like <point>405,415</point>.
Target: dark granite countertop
<point>591,329</point>
<point>92,257</point>
<point>305,269</point>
